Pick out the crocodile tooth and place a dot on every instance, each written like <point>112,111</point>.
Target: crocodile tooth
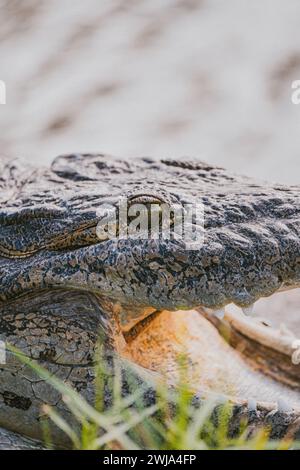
<point>252,404</point>
<point>296,353</point>
<point>296,343</point>
<point>283,406</point>
<point>248,310</point>
<point>219,313</point>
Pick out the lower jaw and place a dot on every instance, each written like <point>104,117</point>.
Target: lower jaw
<point>186,346</point>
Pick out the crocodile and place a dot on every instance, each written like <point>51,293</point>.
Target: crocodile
<point>148,299</point>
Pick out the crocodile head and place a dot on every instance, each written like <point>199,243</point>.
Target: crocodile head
<point>61,281</point>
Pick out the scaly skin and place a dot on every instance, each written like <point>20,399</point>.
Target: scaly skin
<point>60,285</point>
<point>12,441</point>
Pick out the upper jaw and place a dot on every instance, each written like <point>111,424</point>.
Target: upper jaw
<point>242,262</point>
<point>251,232</point>
<point>251,246</point>
<point>237,263</point>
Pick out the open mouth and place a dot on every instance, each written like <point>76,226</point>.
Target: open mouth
<point>248,360</point>
<point>252,359</point>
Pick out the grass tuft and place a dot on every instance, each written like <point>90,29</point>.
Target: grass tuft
<point>128,424</point>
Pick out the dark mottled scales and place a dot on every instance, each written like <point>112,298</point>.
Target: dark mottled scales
<point>58,281</point>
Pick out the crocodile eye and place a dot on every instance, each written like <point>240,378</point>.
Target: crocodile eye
<point>140,216</point>
<point>145,199</point>
<point>152,213</point>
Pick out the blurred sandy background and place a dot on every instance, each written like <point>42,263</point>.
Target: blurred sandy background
<point>209,79</point>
